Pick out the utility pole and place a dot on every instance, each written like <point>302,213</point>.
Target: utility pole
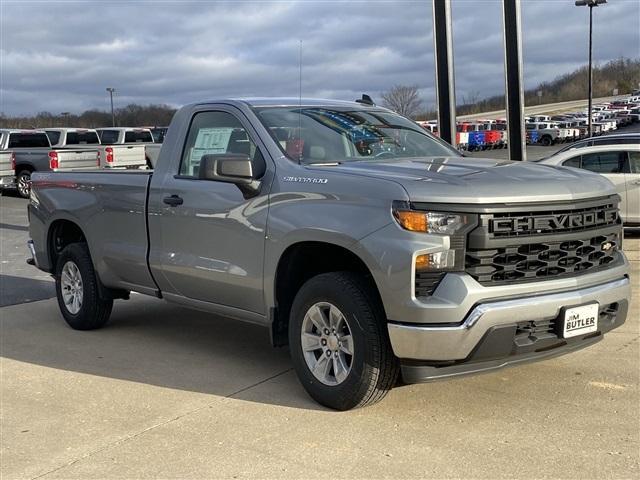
<point>590,4</point>
<point>514,91</point>
<point>111,90</point>
<point>445,80</point>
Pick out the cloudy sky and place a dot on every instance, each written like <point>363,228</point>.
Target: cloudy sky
<point>60,55</point>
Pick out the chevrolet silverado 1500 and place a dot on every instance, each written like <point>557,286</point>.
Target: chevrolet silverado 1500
<point>129,137</point>
<point>367,245</point>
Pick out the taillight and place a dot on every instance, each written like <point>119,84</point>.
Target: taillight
<point>53,160</point>
<point>109,154</point>
<point>13,160</point>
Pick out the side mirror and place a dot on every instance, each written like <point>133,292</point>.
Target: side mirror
<point>230,168</point>
<point>226,167</point>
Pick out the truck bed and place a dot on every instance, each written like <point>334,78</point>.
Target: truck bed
<point>111,205</point>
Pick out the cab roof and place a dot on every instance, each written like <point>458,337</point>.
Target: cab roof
<point>289,102</point>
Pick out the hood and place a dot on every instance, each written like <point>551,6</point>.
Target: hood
<point>481,181</point>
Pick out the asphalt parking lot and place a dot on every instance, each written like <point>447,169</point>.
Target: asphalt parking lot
<point>165,392</point>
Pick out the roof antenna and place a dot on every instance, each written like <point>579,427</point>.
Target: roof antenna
<point>299,146</point>
<point>366,100</point>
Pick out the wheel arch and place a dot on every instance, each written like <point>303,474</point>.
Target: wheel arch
<point>24,166</point>
<point>301,261</point>
<point>62,232</point>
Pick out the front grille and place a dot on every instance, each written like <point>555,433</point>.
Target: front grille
<point>534,332</point>
<point>542,260</point>
<point>550,221</point>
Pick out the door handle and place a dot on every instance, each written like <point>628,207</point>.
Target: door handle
<point>173,200</point>
<point>637,182</point>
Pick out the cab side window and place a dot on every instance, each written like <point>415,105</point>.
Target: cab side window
<point>572,162</point>
<point>217,133</point>
<point>606,162</point>
<point>634,162</point>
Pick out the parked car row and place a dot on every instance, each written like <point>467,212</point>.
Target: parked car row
<point>545,130</point>
<point>23,152</point>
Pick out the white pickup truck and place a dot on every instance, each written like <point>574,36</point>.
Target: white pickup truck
<point>111,156</point>
<point>129,136</point>
<point>547,133</point>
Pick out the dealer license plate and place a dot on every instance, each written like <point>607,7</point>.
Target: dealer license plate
<point>580,320</point>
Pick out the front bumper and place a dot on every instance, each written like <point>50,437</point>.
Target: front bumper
<point>504,332</point>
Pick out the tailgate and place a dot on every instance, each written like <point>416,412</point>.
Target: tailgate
<point>5,164</point>
<point>128,156</point>
<point>77,159</point>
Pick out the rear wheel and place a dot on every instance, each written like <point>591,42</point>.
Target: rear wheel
<point>339,344</point>
<point>77,289</point>
<point>546,141</point>
<point>23,183</point>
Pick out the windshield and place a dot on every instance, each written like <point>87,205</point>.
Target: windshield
<point>335,134</point>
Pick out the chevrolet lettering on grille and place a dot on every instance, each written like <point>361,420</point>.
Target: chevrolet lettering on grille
<point>554,223</point>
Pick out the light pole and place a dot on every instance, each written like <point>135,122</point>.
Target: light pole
<point>65,118</point>
<point>590,4</point>
<point>113,117</point>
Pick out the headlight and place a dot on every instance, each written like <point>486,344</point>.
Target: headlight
<point>442,223</point>
<point>445,260</point>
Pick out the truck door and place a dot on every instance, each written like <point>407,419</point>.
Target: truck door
<point>207,237</point>
<point>633,188</point>
<point>612,165</point>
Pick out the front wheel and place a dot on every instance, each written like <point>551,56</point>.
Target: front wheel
<point>339,343</point>
<point>77,289</point>
<point>23,183</point>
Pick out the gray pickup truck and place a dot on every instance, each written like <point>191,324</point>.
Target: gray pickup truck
<point>359,240</point>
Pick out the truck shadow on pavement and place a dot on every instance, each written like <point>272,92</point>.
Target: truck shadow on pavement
<point>15,290</point>
<point>152,342</point>
<point>9,226</point>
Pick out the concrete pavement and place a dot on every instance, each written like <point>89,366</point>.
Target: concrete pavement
<point>163,392</point>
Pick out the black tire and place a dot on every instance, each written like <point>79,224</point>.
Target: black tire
<point>546,141</point>
<point>374,368</point>
<point>23,183</point>
<point>95,310</point>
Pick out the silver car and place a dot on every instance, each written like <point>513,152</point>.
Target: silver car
<point>619,163</point>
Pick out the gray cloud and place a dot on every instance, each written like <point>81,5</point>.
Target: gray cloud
<point>60,55</point>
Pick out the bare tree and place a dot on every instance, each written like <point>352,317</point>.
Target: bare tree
<point>403,99</point>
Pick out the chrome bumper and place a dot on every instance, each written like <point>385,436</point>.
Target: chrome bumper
<point>446,342</point>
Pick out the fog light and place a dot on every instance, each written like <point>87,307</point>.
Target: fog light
<point>436,261</point>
